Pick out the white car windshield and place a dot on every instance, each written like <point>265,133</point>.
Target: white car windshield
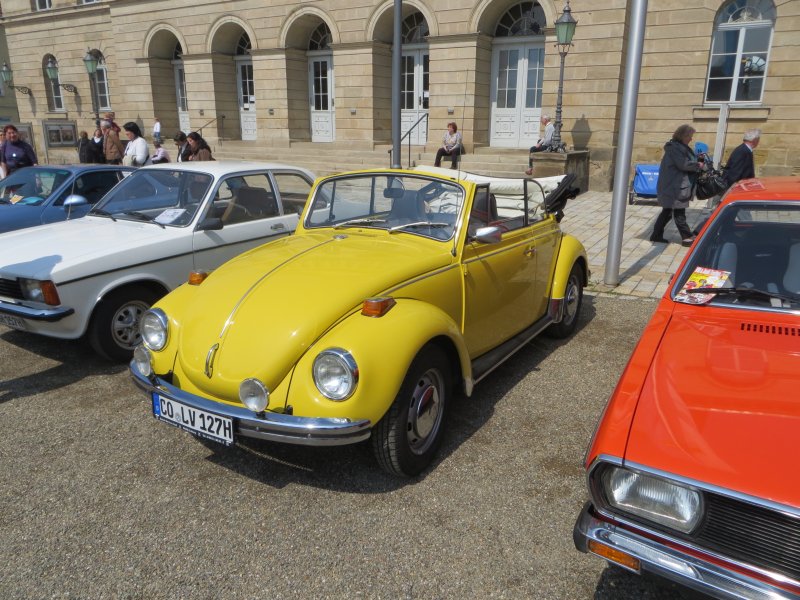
<point>165,197</point>
<point>749,256</point>
<point>398,203</point>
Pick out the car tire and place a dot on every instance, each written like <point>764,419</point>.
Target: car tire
<point>573,299</point>
<point>114,328</point>
<point>408,436</point>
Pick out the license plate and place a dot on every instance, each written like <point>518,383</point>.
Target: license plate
<point>13,322</point>
<point>194,420</point>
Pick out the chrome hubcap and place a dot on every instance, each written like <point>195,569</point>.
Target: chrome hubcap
<point>571,300</point>
<point>425,412</point>
<point>125,325</point>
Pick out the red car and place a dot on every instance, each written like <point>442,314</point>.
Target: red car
<point>694,470</point>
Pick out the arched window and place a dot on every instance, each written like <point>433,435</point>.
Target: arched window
<point>415,29</point>
<point>243,47</point>
<point>55,101</point>
<point>740,51</point>
<point>525,18</point>
<point>320,38</point>
<point>101,82</point>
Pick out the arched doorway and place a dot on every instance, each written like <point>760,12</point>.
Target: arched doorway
<point>415,86</point>
<point>321,85</point>
<point>167,80</point>
<point>516,76</point>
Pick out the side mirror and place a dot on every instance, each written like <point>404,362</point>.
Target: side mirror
<point>75,200</point>
<point>210,224</point>
<point>489,235</point>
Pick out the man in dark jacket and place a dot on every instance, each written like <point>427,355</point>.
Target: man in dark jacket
<point>184,149</point>
<point>740,163</point>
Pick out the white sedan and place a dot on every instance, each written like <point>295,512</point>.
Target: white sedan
<point>96,276</point>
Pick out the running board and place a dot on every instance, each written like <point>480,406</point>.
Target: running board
<point>486,363</point>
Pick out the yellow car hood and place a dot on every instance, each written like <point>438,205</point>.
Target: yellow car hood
<point>265,308</point>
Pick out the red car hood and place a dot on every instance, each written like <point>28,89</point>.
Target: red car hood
<point>721,402</point>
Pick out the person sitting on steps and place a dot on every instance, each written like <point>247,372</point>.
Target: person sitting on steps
<point>544,143</point>
<point>451,146</point>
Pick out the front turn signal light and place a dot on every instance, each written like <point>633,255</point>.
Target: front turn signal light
<point>197,277</point>
<point>616,556</point>
<point>377,307</point>
<point>50,294</point>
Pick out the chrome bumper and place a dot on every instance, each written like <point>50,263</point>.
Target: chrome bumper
<point>35,314</point>
<point>670,563</point>
<point>276,427</point>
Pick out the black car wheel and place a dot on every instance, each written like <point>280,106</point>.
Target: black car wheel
<point>407,438</point>
<point>114,329</point>
<point>573,298</point>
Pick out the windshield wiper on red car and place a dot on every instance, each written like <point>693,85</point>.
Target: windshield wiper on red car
<point>143,217</point>
<point>743,292</point>
<point>360,221</point>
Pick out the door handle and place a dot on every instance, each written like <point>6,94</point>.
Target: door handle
<point>278,226</point>
<point>530,251</point>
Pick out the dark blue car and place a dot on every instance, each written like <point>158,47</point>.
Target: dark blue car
<point>37,195</point>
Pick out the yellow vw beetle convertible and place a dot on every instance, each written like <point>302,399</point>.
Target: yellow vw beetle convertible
<point>397,287</point>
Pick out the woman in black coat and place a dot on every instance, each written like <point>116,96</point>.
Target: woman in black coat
<point>676,181</point>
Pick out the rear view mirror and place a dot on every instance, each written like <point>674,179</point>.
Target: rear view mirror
<point>489,235</point>
<point>75,200</point>
<point>210,224</point>
<point>393,193</point>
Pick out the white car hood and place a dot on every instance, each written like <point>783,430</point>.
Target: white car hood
<point>62,251</point>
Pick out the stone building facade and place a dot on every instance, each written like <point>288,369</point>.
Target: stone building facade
<point>269,74</point>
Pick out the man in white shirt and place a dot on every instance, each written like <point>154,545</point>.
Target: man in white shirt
<point>544,143</point>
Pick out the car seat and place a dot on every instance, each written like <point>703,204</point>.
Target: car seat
<point>408,209</point>
<point>791,279</point>
<point>250,203</point>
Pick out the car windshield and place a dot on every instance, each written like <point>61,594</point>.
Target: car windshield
<point>749,256</point>
<point>163,196</point>
<point>418,205</point>
<point>31,186</point>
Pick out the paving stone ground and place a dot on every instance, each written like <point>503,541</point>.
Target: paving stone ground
<point>645,267</point>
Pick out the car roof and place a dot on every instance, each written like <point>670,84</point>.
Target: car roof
<point>83,167</point>
<point>765,188</point>
<point>218,168</point>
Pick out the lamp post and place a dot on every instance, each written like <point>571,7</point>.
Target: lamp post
<point>51,68</point>
<point>565,29</point>
<point>90,62</point>
<point>8,78</point>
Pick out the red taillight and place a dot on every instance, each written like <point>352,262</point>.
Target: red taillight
<point>50,294</point>
<point>197,277</point>
<point>377,307</point>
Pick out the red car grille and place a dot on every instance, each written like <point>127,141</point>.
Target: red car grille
<point>752,534</point>
<point>10,289</point>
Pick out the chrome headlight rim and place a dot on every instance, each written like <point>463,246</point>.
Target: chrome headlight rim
<point>154,317</point>
<point>348,363</point>
<point>256,398</point>
<point>604,497</point>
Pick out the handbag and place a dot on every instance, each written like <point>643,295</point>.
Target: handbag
<point>710,184</point>
<point>129,160</point>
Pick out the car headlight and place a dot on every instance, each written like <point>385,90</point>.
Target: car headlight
<point>335,374</point>
<point>154,327</point>
<point>652,498</point>
<point>39,291</point>
<point>254,395</point>
<point>142,361</point>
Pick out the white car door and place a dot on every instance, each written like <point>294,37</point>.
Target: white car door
<point>245,212</point>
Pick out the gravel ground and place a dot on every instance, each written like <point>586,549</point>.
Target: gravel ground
<point>98,500</point>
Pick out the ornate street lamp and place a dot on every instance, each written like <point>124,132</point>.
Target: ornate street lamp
<point>90,62</point>
<point>51,68</point>
<point>565,29</point>
<point>8,78</point>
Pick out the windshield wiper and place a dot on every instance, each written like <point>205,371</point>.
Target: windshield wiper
<point>143,217</point>
<point>102,213</point>
<point>360,221</point>
<point>743,291</point>
<point>419,224</point>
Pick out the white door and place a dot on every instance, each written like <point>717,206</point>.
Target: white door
<point>180,95</point>
<point>516,94</point>
<point>415,95</point>
<point>247,97</point>
<point>321,100</point>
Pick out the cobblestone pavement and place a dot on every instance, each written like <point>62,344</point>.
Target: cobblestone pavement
<point>645,267</point>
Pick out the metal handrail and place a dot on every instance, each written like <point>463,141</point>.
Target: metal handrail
<point>406,135</point>
<point>221,118</point>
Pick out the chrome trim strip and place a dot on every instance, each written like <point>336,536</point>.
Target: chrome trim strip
<point>306,431</point>
<point>661,559</point>
<point>35,314</point>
